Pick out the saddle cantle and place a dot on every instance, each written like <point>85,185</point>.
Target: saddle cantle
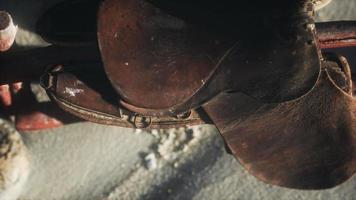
<point>255,71</point>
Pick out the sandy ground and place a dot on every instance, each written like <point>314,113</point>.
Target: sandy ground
<point>89,161</point>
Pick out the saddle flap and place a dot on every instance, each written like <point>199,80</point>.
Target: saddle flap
<point>83,90</point>
<point>306,143</point>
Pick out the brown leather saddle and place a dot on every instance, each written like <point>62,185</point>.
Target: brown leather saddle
<point>254,70</point>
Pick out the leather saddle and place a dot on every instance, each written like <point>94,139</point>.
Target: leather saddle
<point>254,70</point>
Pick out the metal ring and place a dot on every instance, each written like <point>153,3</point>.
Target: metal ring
<point>46,81</point>
<point>185,115</point>
<point>143,123</point>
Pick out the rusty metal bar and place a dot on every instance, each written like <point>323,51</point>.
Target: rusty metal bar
<point>336,34</point>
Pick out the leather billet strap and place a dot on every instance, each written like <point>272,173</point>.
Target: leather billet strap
<point>83,90</point>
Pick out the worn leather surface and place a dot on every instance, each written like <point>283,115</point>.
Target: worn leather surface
<point>188,52</point>
<point>148,53</point>
<point>83,90</point>
<point>306,143</point>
